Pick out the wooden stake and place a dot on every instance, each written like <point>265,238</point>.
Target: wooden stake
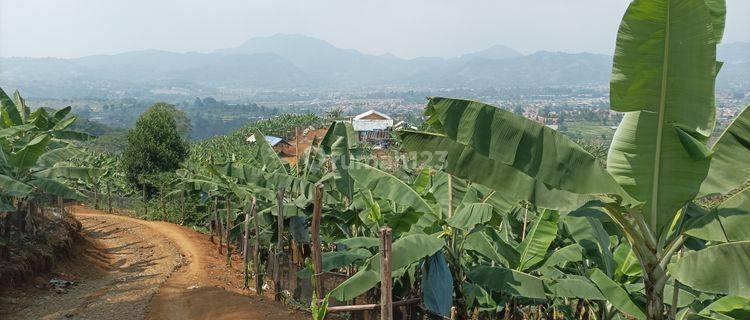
<point>386,282</point>
<point>256,254</point>
<point>145,203</point>
<point>61,204</point>
<point>163,205</point>
<point>229,230</point>
<point>246,244</point>
<point>279,245</point>
<point>316,246</point>
<point>218,222</point>
<point>109,198</point>
<point>182,207</point>
<point>96,197</point>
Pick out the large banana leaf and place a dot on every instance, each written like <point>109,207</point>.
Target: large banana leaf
<point>50,158</point>
<point>511,184</point>
<point>500,279</point>
<point>534,247</point>
<point>718,10</point>
<point>267,156</point>
<point>616,295</point>
<point>8,111</point>
<point>663,76</point>
<point>23,109</point>
<point>470,215</point>
<point>731,152</point>
<point>730,221</point>
<point>13,187</point>
<point>71,135</point>
<point>439,188</point>
<point>30,153</point>
<point>408,249</point>
<point>587,230</point>
<point>338,129</point>
<point>497,251</point>
<point>717,269</point>
<point>562,256</point>
<point>574,287</point>
<point>56,188</point>
<point>67,172</point>
<point>530,147</point>
<point>732,306</point>
<point>342,159</point>
<point>386,186</point>
<point>14,130</point>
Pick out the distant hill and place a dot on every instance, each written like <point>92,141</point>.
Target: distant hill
<point>285,62</point>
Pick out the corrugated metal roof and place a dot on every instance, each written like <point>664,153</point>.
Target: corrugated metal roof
<point>362,115</point>
<point>273,141</point>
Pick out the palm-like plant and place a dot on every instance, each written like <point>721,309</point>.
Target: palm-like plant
<point>35,154</point>
<point>659,161</point>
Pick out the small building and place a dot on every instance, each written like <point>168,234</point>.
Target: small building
<point>373,126</point>
<point>283,147</point>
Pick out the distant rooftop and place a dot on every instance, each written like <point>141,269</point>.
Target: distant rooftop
<point>272,140</point>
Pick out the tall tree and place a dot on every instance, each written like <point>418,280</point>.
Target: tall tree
<point>156,144</point>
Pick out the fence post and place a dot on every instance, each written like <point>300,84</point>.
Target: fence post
<point>245,243</point>
<point>182,207</point>
<point>256,254</point>
<point>316,246</point>
<point>218,222</point>
<point>145,203</point>
<point>163,205</point>
<point>279,245</point>
<point>386,282</point>
<point>229,229</point>
<point>61,204</point>
<point>96,196</point>
<point>109,198</point>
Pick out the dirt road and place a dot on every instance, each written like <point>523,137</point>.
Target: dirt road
<point>136,269</point>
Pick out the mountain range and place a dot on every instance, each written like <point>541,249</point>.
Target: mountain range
<point>296,62</point>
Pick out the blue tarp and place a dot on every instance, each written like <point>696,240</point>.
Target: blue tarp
<point>437,285</point>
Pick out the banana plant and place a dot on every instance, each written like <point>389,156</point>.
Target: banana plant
<point>663,79</point>
<point>35,159</point>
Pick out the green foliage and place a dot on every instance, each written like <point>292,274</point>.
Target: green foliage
<point>155,144</point>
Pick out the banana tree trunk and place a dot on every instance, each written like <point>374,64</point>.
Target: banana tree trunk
<point>654,283</point>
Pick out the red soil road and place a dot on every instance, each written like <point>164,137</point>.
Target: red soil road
<point>136,269</point>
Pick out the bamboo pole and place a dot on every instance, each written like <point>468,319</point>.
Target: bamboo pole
<point>163,205</point>
<point>246,244</point>
<point>145,203</point>
<point>386,282</point>
<point>316,246</point>
<point>182,207</point>
<point>96,196</point>
<point>279,245</point>
<point>256,254</point>
<point>229,229</point>
<point>218,222</point>
<point>109,198</point>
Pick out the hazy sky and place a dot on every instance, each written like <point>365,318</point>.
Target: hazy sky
<point>407,28</point>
